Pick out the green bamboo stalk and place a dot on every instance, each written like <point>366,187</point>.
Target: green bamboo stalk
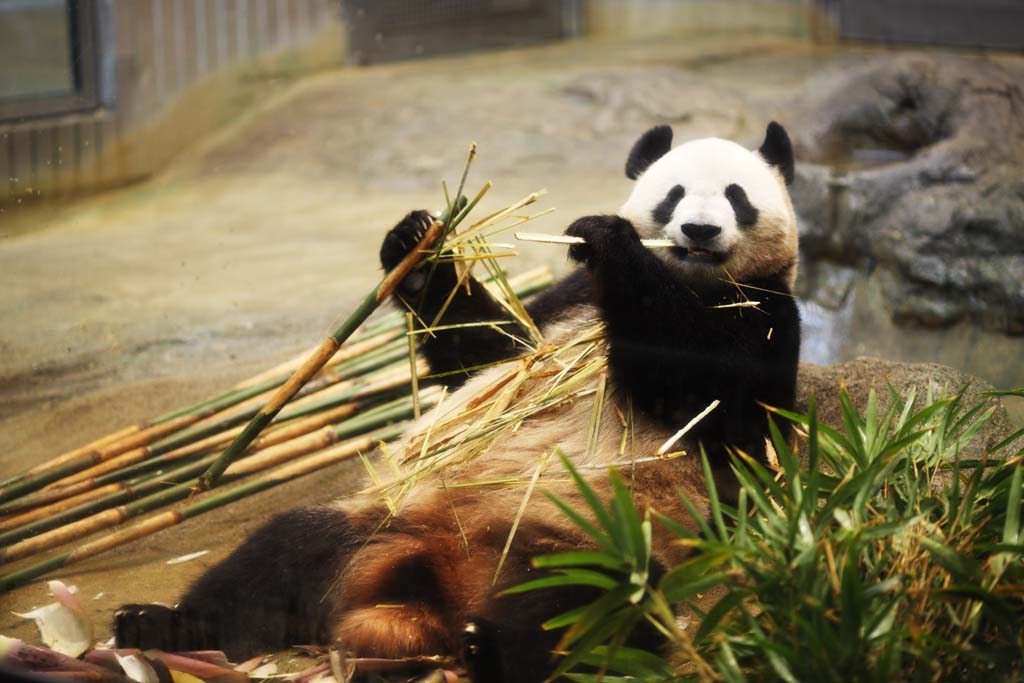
<point>220,421</point>
<point>142,484</point>
<point>328,348</point>
<point>196,507</point>
<point>156,493</point>
<point>374,388</point>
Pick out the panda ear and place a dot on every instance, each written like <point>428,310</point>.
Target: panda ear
<point>778,151</point>
<point>651,146</point>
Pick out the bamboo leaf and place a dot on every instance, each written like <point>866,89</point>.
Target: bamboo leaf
<point>579,558</point>
<point>567,577</point>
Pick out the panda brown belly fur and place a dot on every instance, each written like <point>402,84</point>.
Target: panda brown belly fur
<point>441,580</point>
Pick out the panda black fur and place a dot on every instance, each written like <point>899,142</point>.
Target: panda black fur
<point>674,343</point>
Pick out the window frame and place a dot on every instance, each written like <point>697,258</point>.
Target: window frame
<point>84,24</point>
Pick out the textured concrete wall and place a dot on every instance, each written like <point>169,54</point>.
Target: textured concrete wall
<point>157,56</point>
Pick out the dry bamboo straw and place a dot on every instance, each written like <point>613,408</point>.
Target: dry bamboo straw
<point>331,345</point>
<point>375,334</point>
<point>530,281</point>
<point>290,450</point>
<point>198,506</point>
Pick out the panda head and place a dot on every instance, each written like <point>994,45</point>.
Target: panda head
<point>726,207</point>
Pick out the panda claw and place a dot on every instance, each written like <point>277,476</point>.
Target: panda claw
<point>403,238</point>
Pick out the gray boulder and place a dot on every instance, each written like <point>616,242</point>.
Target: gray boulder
<point>862,375</point>
<point>913,167</point>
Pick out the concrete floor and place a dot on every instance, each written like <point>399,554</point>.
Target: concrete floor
<point>128,304</point>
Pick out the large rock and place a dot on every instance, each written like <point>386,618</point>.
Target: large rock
<point>914,168</point>
<point>862,375</point>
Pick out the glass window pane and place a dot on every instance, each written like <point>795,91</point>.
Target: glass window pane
<point>35,49</point>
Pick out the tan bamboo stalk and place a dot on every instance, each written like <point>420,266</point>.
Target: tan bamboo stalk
<point>526,283</point>
<point>157,493</point>
<point>94,456</point>
<point>350,352</point>
<point>20,519</point>
<point>163,520</point>
<point>363,387</point>
<point>102,442</point>
<point>280,434</point>
<point>35,499</point>
<point>274,455</point>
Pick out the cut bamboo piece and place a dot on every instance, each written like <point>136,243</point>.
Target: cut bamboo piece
<point>568,239</point>
<point>687,427</point>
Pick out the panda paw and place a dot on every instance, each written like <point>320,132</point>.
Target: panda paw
<point>604,236</point>
<point>148,627</point>
<point>403,238</point>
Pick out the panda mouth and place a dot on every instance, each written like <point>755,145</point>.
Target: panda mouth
<point>692,255</point>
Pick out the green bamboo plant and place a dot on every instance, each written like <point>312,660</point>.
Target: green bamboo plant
<point>881,555</point>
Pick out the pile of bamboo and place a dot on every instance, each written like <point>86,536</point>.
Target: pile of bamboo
<point>343,398</point>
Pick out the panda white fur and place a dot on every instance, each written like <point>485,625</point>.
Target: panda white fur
<point>674,343</point>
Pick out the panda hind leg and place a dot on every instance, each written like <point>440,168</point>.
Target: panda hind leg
<point>266,595</point>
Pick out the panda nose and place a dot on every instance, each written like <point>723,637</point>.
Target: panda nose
<point>700,232</point>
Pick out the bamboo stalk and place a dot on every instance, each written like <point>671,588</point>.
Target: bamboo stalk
<point>296,420</point>
<point>323,353</point>
<point>62,505</point>
<point>102,442</point>
<point>350,352</point>
<point>373,386</point>
<point>568,239</point>
<point>414,385</point>
<point>303,445</point>
<point>33,482</point>
<point>71,509</point>
<point>217,422</point>
<point>198,506</point>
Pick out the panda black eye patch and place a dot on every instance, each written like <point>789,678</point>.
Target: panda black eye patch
<point>746,214</point>
<point>663,211</point>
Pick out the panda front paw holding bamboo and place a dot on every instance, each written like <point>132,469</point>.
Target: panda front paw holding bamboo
<point>708,320</point>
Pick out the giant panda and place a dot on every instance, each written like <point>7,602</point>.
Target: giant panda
<point>424,581</point>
